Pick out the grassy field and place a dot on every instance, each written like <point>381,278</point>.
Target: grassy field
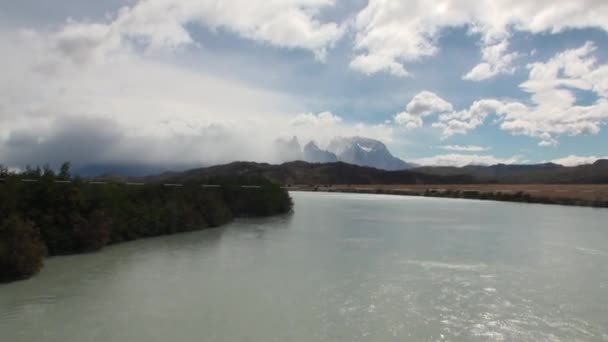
<point>557,192</point>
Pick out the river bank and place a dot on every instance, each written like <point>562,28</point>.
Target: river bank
<point>584,195</point>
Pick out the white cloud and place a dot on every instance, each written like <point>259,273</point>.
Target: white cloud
<point>554,110</point>
<point>463,121</point>
<point>325,126</point>
<point>468,148</point>
<point>460,160</point>
<point>423,104</point>
<point>321,119</point>
<point>496,61</point>
<point>574,160</point>
<point>162,24</point>
<point>426,103</point>
<point>393,33</point>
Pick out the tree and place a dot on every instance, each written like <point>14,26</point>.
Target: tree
<point>47,171</point>
<point>21,249</point>
<point>92,234</point>
<point>57,218</point>
<point>64,171</point>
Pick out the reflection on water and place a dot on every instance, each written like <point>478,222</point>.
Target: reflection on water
<point>342,268</point>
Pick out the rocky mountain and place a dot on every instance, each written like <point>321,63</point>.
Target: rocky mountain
<point>353,150</point>
<point>313,154</point>
<point>288,149</point>
<point>366,152</point>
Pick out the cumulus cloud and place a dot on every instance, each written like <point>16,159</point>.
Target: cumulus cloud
<point>460,122</point>
<point>450,121</point>
<point>392,33</point>
<point>467,148</point>
<point>460,160</point>
<point>554,109</point>
<point>496,60</point>
<point>574,160</point>
<point>423,104</point>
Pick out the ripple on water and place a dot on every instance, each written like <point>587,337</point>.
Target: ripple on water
<point>591,251</point>
<point>444,265</point>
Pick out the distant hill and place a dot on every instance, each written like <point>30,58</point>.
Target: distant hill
<point>300,172</point>
<point>517,174</point>
<point>124,169</point>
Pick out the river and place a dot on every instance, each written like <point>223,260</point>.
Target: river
<point>343,267</point>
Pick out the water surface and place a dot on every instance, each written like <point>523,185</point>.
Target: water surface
<point>343,267</point>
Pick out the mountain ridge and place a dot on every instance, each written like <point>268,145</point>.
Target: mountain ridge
<point>352,150</point>
<point>300,172</point>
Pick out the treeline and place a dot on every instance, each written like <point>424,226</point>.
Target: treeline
<point>52,217</point>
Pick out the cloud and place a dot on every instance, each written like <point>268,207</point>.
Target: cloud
<point>324,118</point>
<point>163,24</point>
<point>98,140</point>
<point>423,104</point>
<point>459,160</point>
<point>496,61</point>
<point>392,33</point>
<point>460,122</point>
<point>554,110</point>
<point>325,126</point>
<point>80,93</point>
<point>574,160</point>
<point>468,148</point>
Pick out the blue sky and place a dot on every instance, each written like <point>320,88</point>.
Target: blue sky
<point>170,81</point>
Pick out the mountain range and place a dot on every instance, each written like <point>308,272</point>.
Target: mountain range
<point>354,157</point>
<point>352,150</point>
<point>300,172</point>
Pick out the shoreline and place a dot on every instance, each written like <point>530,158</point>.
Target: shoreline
<point>517,195</point>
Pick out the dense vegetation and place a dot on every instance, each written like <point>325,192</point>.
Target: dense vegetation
<point>59,214</point>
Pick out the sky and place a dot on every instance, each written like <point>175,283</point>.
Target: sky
<point>199,82</point>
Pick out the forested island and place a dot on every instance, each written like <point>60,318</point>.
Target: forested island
<point>47,213</point>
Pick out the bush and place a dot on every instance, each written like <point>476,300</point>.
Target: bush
<point>78,217</point>
<point>21,249</point>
